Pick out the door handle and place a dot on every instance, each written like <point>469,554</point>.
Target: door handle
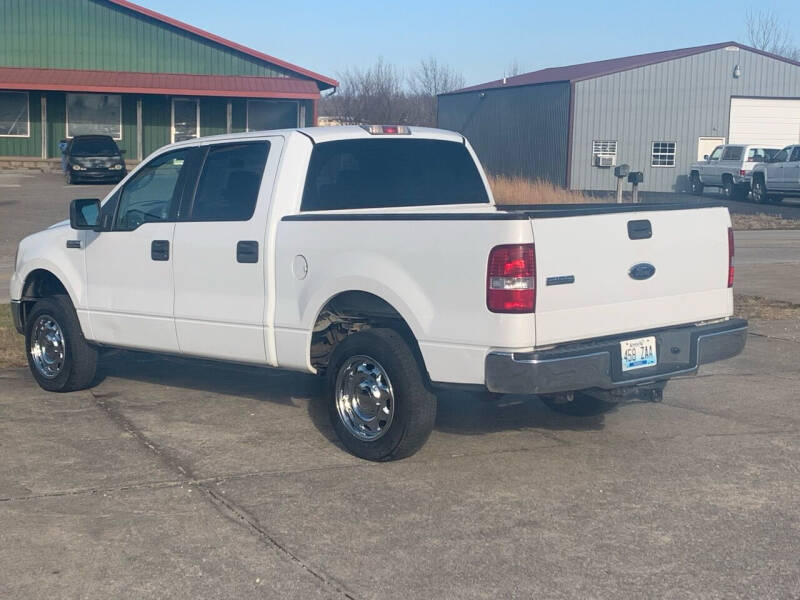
<point>159,250</point>
<point>247,252</point>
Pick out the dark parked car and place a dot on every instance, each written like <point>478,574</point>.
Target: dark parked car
<point>93,158</point>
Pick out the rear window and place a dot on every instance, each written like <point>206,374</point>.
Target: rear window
<point>391,173</point>
<point>732,153</point>
<point>228,186</point>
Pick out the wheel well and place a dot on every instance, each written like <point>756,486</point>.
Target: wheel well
<point>758,177</point>
<point>352,311</point>
<point>726,177</point>
<point>40,283</point>
<point>694,173</point>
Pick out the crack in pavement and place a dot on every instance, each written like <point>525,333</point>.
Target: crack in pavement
<point>226,507</point>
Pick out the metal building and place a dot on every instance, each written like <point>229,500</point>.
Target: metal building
<point>656,112</point>
<point>70,67</point>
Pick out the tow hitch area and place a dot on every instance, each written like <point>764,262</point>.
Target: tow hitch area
<point>648,392</point>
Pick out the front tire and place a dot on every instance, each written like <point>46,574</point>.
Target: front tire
<point>58,355</point>
<point>760,194</point>
<point>378,403</point>
<point>69,177</point>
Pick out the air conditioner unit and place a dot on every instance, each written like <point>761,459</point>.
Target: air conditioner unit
<point>605,160</point>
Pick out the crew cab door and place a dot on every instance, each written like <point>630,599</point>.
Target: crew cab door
<point>129,264</point>
<point>221,253</point>
<point>776,179</point>
<point>791,172</point>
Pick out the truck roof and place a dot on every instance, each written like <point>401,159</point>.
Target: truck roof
<point>329,134</point>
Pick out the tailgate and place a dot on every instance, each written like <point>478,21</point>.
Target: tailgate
<point>587,286</point>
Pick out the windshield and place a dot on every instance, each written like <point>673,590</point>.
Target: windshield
<point>94,147</point>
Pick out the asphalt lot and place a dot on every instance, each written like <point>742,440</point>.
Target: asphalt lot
<point>176,478</point>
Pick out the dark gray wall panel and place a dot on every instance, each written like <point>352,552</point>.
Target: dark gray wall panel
<point>515,131</point>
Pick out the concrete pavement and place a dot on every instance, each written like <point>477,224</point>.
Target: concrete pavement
<point>177,478</point>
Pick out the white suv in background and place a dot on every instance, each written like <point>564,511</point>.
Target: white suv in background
<point>729,168</point>
<point>778,177</point>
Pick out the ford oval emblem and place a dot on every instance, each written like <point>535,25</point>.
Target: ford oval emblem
<point>642,271</point>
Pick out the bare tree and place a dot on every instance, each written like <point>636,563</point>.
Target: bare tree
<point>427,81</point>
<point>767,32</point>
<point>381,94</point>
<point>512,69</point>
<point>368,95</point>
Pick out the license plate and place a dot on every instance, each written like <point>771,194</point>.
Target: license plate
<point>638,353</point>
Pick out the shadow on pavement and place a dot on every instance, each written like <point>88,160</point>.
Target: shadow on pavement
<point>460,413</point>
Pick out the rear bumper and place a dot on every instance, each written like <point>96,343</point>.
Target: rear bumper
<point>16,314</point>
<point>598,364</point>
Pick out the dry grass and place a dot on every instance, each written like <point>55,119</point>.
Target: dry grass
<point>756,307</point>
<point>12,353</point>
<point>518,190</point>
<point>763,221</point>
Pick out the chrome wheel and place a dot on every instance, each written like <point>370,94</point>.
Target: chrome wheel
<point>47,347</point>
<point>758,192</point>
<point>364,398</point>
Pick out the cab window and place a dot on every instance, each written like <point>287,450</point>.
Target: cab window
<point>229,182</point>
<point>151,195</point>
<point>795,154</point>
<point>716,153</point>
<point>732,153</point>
<point>782,156</point>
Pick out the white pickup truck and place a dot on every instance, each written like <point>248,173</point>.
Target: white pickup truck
<point>377,257</point>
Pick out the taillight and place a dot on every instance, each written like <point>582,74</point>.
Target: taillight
<point>742,172</point>
<point>730,257</point>
<point>511,279</point>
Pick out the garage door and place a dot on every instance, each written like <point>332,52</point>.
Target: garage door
<point>772,122</point>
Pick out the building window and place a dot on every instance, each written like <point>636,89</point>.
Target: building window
<point>271,114</point>
<point>663,154</point>
<point>14,121</point>
<point>604,153</point>
<point>94,114</point>
<point>185,119</point>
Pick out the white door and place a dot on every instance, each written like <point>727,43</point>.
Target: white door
<point>129,267</point>
<point>706,145</point>
<point>771,122</point>
<point>185,119</point>
<point>221,253</point>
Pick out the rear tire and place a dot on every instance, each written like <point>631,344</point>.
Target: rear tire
<point>378,403</point>
<point>728,188</point>
<point>58,355</point>
<point>695,185</point>
<point>582,405</point>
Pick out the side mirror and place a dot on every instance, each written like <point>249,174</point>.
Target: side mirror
<point>705,157</point>
<point>84,213</point>
<point>122,150</point>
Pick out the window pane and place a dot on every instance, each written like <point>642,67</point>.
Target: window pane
<point>732,153</point>
<point>150,194</point>
<point>14,114</point>
<point>228,187</point>
<point>782,156</point>
<point>94,114</point>
<point>264,114</point>
<point>391,172</point>
<point>184,117</point>
<point>796,153</point>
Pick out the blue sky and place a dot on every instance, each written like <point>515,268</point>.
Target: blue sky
<point>479,39</point>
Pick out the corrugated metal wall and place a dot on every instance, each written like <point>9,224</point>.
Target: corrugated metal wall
<point>515,131</point>
<point>91,34</point>
<point>680,100</point>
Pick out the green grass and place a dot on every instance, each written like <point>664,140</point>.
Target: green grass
<point>12,345</point>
